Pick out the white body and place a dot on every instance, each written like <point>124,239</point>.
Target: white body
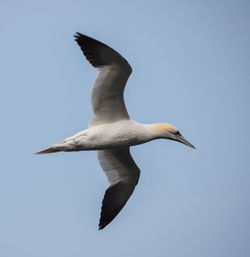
<point>106,136</point>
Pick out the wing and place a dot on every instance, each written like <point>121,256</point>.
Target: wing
<point>107,93</point>
<point>123,175</point>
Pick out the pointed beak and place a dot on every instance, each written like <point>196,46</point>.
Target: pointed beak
<point>182,140</point>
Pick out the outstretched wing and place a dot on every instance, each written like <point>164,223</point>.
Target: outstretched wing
<point>123,175</point>
<point>107,93</point>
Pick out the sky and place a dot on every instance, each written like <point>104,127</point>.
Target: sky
<point>191,68</point>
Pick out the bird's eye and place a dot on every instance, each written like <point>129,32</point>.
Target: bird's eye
<point>177,133</point>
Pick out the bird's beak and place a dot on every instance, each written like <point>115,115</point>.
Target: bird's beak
<point>181,139</point>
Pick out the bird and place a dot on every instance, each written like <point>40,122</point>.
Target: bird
<point>111,131</point>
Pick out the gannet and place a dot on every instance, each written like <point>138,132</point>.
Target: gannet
<point>111,131</point>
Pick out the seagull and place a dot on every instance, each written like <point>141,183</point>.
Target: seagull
<point>111,131</point>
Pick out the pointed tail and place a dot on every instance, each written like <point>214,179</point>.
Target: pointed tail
<point>48,150</point>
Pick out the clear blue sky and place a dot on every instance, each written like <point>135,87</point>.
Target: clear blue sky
<point>191,68</point>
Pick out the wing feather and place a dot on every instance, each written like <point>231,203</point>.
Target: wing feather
<point>107,93</point>
<point>123,175</point>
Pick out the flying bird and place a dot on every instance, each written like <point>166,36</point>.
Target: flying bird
<point>111,131</point>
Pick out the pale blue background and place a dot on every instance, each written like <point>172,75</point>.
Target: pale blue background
<point>191,62</point>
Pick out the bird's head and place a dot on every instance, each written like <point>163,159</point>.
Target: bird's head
<point>168,131</point>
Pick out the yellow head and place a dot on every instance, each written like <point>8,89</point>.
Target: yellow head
<point>162,128</point>
<point>168,131</point>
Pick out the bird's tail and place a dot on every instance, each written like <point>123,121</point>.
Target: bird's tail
<point>48,150</point>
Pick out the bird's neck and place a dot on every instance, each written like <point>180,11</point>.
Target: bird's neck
<point>155,130</point>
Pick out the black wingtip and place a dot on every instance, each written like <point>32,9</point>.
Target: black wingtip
<point>114,200</point>
<point>96,52</point>
<point>103,224</point>
<point>100,227</point>
<point>77,35</point>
